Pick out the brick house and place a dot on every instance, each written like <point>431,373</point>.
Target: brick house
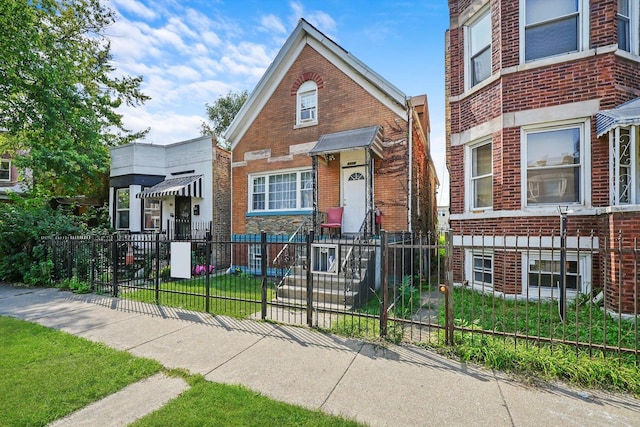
<point>9,182</point>
<point>182,187</point>
<point>323,130</point>
<point>538,128</point>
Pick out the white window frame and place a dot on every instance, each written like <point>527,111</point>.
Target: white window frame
<point>306,90</point>
<point>633,20</point>
<point>5,165</point>
<point>582,36</point>
<point>469,53</point>
<point>471,268</point>
<point>299,191</point>
<point>255,258</point>
<point>148,210</point>
<point>583,273</point>
<point>325,258</point>
<point>585,161</point>
<point>471,191</point>
<point>623,165</point>
<point>120,209</point>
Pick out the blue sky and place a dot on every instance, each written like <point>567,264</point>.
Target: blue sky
<point>191,52</point>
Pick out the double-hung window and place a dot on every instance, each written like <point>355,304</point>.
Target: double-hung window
<point>5,170</point>
<point>481,176</point>
<point>151,214</point>
<point>481,269</point>
<point>479,49</point>
<point>281,191</point>
<point>552,27</point>
<point>122,208</point>
<point>307,103</point>
<point>628,18</point>
<point>545,273</point>
<point>553,172</point>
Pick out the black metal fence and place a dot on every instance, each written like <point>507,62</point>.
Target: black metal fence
<point>531,291</point>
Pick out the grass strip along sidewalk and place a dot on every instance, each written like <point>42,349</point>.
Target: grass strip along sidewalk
<point>47,374</point>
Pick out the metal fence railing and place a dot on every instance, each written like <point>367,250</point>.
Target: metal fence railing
<point>531,290</point>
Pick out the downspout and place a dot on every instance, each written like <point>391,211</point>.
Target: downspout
<point>410,186</point>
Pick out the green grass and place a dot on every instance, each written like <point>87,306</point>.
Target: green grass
<point>47,374</point>
<point>580,365</point>
<point>232,292</point>
<point>211,404</point>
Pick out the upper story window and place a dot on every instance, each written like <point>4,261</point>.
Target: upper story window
<point>552,27</point>
<point>283,191</point>
<point>5,170</point>
<point>479,49</point>
<point>629,26</point>
<point>307,103</point>
<point>481,176</point>
<point>554,165</point>
<point>122,208</point>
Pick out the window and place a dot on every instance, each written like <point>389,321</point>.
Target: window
<point>544,273</point>
<point>553,166</point>
<point>285,191</point>
<point>5,170</point>
<point>481,269</point>
<point>151,214</point>
<point>624,25</point>
<point>255,258</point>
<point>307,104</point>
<point>479,49</point>
<point>122,208</point>
<point>552,27</point>
<point>481,176</point>
<point>324,258</point>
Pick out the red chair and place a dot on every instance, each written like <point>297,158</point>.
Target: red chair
<point>334,221</point>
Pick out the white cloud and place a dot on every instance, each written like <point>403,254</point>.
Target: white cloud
<point>272,24</point>
<point>135,7</point>
<point>321,20</point>
<point>182,72</point>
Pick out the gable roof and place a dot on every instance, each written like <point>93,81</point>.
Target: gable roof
<point>306,34</point>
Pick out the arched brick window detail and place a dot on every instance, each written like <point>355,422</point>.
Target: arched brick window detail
<point>305,77</point>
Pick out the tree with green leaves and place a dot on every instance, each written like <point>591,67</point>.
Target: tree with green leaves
<point>221,113</point>
<point>59,92</point>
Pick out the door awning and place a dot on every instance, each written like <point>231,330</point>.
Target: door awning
<point>367,137</point>
<point>626,114</point>
<point>189,186</point>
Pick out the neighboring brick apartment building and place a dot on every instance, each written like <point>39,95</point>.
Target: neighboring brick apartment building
<point>323,130</point>
<point>536,125</point>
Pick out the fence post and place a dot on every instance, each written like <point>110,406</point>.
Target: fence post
<point>94,256</point>
<point>384,298</point>
<point>310,237</point>
<point>207,254</point>
<point>263,272</point>
<point>157,268</point>
<point>69,258</point>
<point>114,263</point>
<point>448,291</point>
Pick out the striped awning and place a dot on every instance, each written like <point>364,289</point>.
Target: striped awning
<point>626,114</point>
<point>188,186</point>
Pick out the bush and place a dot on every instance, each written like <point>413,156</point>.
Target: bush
<point>23,223</point>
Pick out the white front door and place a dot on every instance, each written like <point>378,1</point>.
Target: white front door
<point>354,198</point>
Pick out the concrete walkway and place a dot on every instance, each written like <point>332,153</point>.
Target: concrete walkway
<point>376,385</point>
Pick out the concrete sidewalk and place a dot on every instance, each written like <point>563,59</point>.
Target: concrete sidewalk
<point>379,386</point>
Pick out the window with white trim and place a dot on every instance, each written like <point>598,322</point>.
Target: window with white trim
<point>479,49</point>
<point>481,176</point>
<point>479,268</point>
<point>553,27</point>
<point>255,258</point>
<point>282,191</point>
<point>307,103</point>
<point>628,26</point>
<point>151,214</point>
<point>554,164</point>
<point>5,170</point>
<point>122,208</point>
<point>544,272</point>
